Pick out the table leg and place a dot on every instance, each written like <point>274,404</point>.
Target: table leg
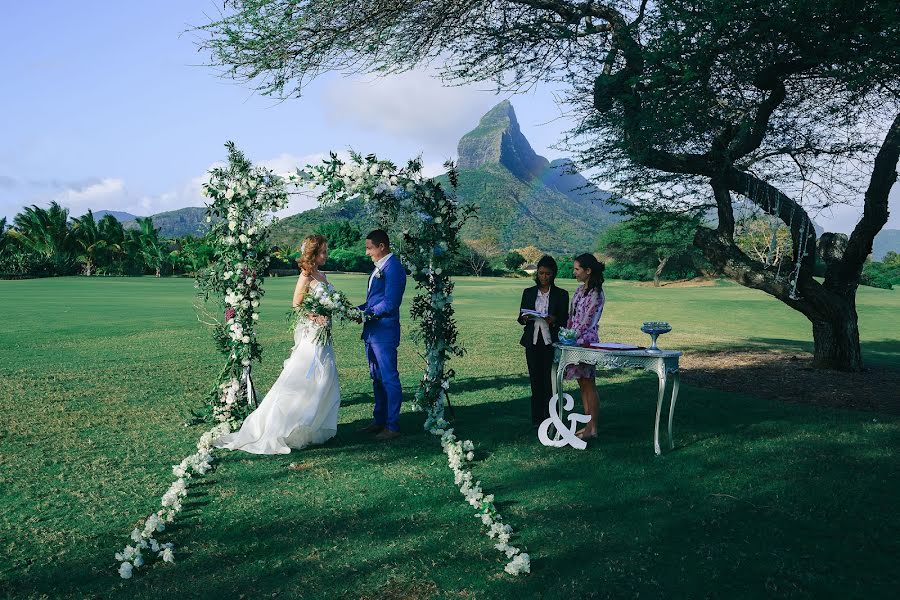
<point>676,380</point>
<point>557,384</point>
<point>662,390</point>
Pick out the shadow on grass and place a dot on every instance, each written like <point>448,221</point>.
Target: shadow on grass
<point>760,499</point>
<point>790,376</point>
<point>881,352</point>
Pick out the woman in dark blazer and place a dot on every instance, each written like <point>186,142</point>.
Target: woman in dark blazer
<point>540,334</point>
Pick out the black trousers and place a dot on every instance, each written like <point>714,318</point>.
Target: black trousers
<point>540,365</point>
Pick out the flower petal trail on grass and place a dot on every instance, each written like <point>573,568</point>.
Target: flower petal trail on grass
<point>193,466</point>
<point>459,454</point>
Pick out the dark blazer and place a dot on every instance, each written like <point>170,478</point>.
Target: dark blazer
<point>558,307</point>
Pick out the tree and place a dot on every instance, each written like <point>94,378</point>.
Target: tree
<point>146,247</point>
<point>5,240</point>
<point>193,254</point>
<point>565,268</point>
<point>46,233</point>
<point>349,261</point>
<point>513,260</point>
<point>884,274</point>
<point>656,240</point>
<point>112,255</point>
<point>776,102</point>
<point>481,251</point>
<point>764,239</point>
<point>89,241</point>
<point>340,234</point>
<point>531,254</point>
<point>475,259</point>
<point>891,259</point>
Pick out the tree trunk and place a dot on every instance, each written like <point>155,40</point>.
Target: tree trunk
<point>832,311</point>
<point>837,342</point>
<point>659,270</point>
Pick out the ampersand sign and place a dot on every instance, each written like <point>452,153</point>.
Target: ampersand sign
<point>565,434</point>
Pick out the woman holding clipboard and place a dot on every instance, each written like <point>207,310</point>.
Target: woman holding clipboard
<point>544,309</point>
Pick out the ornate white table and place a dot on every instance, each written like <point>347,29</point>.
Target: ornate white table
<point>663,362</point>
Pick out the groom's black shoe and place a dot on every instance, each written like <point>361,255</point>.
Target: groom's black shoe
<point>387,434</point>
<point>371,428</point>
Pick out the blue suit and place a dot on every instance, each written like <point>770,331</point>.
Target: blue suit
<point>381,334</point>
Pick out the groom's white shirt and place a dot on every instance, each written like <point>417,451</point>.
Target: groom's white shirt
<point>378,268</point>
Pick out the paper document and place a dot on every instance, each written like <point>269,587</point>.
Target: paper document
<point>614,346</point>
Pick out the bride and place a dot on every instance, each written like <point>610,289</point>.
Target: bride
<point>302,406</point>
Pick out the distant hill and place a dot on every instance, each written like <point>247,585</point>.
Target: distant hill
<point>177,223</point>
<point>523,198</point>
<point>289,232</point>
<point>120,216</point>
<point>887,240</point>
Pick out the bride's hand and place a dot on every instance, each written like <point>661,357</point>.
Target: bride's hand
<point>318,319</point>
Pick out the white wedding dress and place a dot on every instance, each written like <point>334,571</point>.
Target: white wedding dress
<point>302,406</point>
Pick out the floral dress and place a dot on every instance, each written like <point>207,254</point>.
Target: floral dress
<point>585,317</point>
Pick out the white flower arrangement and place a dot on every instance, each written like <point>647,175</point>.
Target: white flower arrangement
<point>459,453</point>
<point>241,198</point>
<point>198,464</point>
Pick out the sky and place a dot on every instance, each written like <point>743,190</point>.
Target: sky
<point>107,105</point>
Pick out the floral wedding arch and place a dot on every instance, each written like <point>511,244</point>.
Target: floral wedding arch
<point>428,219</point>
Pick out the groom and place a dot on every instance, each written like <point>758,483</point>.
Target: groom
<point>381,334</point>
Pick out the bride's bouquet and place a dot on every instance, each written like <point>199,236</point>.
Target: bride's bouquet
<point>329,305</point>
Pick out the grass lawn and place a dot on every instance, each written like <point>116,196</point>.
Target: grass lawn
<point>759,499</point>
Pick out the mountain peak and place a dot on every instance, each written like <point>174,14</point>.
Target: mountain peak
<point>498,140</point>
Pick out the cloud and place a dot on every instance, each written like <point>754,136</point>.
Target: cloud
<point>114,194</point>
<point>102,194</point>
<point>48,184</point>
<point>433,169</point>
<point>412,105</point>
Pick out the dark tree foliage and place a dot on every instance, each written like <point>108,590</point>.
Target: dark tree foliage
<point>654,243</point>
<point>513,260</point>
<point>340,234</point>
<point>787,105</point>
<point>45,241</point>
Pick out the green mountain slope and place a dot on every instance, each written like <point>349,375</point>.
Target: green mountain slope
<point>178,223</point>
<point>523,198</point>
<point>289,232</point>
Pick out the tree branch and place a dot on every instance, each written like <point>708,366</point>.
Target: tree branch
<point>752,133</point>
<point>875,208</point>
<point>793,215</point>
<point>724,209</point>
<point>737,266</point>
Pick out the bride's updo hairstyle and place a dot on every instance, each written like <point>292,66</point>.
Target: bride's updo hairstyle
<point>589,261</point>
<point>309,250</point>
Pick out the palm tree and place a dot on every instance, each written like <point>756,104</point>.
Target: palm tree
<point>192,254</point>
<point>145,241</point>
<point>4,237</point>
<point>89,241</point>
<point>110,230</point>
<point>46,233</point>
